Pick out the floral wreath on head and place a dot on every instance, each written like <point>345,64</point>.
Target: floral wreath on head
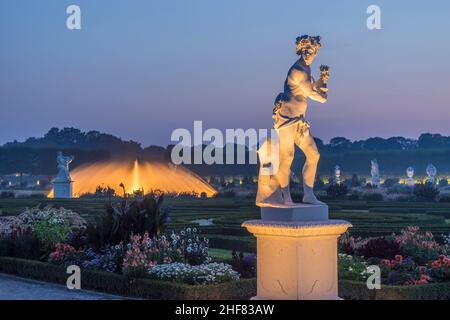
<point>305,41</point>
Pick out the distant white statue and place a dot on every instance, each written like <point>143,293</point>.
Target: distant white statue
<point>63,167</point>
<point>293,130</point>
<point>375,172</point>
<point>431,173</point>
<point>410,176</point>
<point>62,185</point>
<point>337,174</point>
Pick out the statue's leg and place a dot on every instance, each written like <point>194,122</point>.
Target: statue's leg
<point>286,152</point>
<point>286,144</point>
<point>309,148</point>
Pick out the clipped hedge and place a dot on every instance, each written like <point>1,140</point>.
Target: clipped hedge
<point>243,289</point>
<point>444,214</point>
<point>244,244</point>
<point>358,291</point>
<point>121,285</point>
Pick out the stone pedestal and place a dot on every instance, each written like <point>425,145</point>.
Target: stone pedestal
<point>297,212</point>
<point>297,260</point>
<point>62,189</point>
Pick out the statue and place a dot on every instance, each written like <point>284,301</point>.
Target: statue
<point>337,174</point>
<point>375,172</point>
<point>63,167</point>
<point>293,130</point>
<point>62,185</point>
<point>431,173</point>
<point>410,175</point>
<point>296,242</point>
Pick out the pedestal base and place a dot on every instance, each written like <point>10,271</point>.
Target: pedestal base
<point>297,260</point>
<point>62,190</point>
<point>297,212</point>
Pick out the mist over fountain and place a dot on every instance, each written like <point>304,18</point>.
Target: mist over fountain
<point>136,176</point>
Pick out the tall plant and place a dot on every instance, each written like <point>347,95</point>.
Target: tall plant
<point>128,217</point>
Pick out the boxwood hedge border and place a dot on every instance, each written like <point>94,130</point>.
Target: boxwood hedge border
<point>358,291</point>
<point>243,289</point>
<point>120,285</point>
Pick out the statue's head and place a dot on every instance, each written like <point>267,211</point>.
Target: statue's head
<point>307,47</point>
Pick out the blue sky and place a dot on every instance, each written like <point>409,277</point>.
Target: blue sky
<point>140,69</point>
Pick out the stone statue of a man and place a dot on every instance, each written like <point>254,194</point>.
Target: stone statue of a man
<point>63,167</point>
<point>293,129</point>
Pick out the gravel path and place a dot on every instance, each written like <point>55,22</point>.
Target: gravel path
<point>15,288</point>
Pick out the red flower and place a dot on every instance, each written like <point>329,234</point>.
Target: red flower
<point>436,264</point>
<point>386,262</point>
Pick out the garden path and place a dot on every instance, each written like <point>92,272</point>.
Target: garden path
<point>15,288</point>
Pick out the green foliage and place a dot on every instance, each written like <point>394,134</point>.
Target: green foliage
<point>50,232</point>
<point>352,268</point>
<point>26,246</point>
<point>119,221</point>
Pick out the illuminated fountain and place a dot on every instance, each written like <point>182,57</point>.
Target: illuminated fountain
<point>137,176</point>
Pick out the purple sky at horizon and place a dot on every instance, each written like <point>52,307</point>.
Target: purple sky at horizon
<point>140,69</point>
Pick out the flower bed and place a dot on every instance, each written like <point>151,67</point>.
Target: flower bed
<point>242,289</point>
<point>408,259</point>
<point>126,252</point>
<point>126,241</point>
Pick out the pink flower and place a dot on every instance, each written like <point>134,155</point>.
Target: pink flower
<point>436,264</point>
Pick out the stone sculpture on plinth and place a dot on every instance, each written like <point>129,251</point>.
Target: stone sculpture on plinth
<point>431,173</point>
<point>410,177</point>
<point>337,174</point>
<point>375,172</point>
<point>62,185</point>
<point>296,242</point>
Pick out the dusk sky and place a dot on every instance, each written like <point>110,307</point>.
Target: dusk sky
<point>140,69</point>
